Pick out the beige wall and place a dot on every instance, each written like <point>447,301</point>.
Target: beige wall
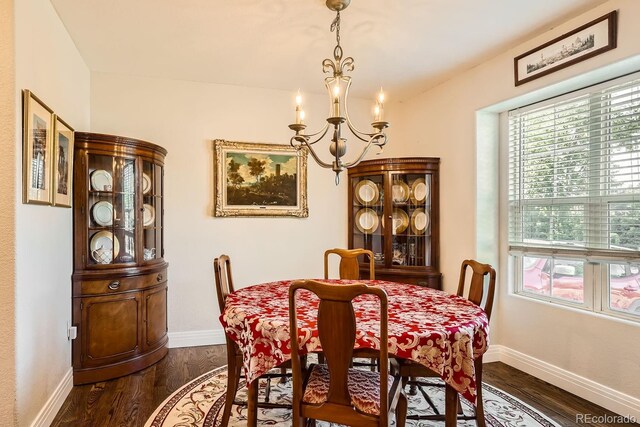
<point>47,63</point>
<point>443,122</point>
<point>184,117</point>
<point>7,216</point>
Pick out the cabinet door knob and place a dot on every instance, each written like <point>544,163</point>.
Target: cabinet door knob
<point>114,285</point>
<point>159,278</point>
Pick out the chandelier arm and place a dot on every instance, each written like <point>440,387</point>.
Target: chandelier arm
<point>371,142</point>
<point>303,141</point>
<point>357,132</point>
<point>322,132</point>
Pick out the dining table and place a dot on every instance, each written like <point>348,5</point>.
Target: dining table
<point>443,332</point>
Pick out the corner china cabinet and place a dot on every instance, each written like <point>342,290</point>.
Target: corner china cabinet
<point>393,210</point>
<point>119,283</point>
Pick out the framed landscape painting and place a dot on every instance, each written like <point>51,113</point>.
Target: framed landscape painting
<point>37,138</point>
<point>260,179</point>
<point>62,177</point>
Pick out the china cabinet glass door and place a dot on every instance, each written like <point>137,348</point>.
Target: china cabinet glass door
<point>411,219</point>
<point>111,209</point>
<point>152,211</point>
<point>368,215</point>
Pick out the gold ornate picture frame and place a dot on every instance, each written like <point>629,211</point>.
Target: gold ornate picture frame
<point>256,179</point>
<point>37,139</point>
<point>62,176</point>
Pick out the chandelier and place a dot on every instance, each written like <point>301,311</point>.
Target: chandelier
<point>338,85</point>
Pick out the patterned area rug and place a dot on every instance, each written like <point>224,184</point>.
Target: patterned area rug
<point>200,404</point>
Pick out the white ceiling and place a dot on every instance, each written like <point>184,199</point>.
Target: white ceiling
<point>406,46</point>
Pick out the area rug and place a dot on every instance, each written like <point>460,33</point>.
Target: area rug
<point>200,404</point>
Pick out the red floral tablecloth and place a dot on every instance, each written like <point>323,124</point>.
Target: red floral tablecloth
<point>443,332</point>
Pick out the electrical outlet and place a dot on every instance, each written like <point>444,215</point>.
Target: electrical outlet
<point>72,332</point>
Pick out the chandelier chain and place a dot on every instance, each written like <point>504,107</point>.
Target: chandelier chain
<point>335,26</point>
<point>337,51</point>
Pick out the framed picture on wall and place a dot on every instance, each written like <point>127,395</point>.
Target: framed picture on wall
<point>37,138</point>
<point>62,176</point>
<point>253,179</point>
<point>586,41</point>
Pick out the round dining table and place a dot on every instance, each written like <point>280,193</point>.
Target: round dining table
<point>443,332</point>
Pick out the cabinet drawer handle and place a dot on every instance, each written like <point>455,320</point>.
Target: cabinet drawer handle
<point>114,285</point>
<point>159,278</point>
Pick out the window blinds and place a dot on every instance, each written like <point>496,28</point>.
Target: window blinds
<point>574,174</point>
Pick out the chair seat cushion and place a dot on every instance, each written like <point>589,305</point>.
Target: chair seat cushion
<point>364,388</point>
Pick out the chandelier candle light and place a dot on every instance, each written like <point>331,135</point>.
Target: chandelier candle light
<point>337,84</point>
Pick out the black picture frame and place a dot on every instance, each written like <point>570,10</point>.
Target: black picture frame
<point>584,42</point>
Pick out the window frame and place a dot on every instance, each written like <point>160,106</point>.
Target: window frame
<point>596,273</point>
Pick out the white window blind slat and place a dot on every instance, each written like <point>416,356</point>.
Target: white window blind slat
<point>574,173</point>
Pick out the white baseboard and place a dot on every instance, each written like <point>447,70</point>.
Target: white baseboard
<point>492,354</point>
<point>50,409</point>
<point>196,338</point>
<point>608,398</point>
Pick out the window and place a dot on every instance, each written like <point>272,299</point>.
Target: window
<point>574,198</point>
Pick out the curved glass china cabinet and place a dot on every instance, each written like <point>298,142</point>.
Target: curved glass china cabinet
<point>393,211</point>
<point>120,276</point>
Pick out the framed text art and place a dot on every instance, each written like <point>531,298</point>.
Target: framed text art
<point>589,40</point>
<point>254,179</point>
<point>37,135</point>
<point>62,177</point>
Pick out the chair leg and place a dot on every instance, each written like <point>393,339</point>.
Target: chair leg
<point>296,418</point>
<point>401,410</point>
<point>267,391</point>
<point>252,404</point>
<point>413,390</point>
<point>233,379</point>
<point>480,422</point>
<point>451,407</point>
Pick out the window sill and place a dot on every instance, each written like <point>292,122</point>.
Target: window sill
<point>576,309</point>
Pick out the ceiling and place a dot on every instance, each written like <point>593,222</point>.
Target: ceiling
<point>406,46</point>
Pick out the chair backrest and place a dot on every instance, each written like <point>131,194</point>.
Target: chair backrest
<point>479,288</point>
<point>224,280</point>
<point>337,332</point>
<point>349,266</point>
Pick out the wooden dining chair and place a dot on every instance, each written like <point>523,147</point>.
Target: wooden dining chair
<point>349,269</point>
<point>336,392</point>
<point>224,286</point>
<point>349,265</point>
<point>481,291</point>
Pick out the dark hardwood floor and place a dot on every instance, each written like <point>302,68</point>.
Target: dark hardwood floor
<point>130,400</point>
